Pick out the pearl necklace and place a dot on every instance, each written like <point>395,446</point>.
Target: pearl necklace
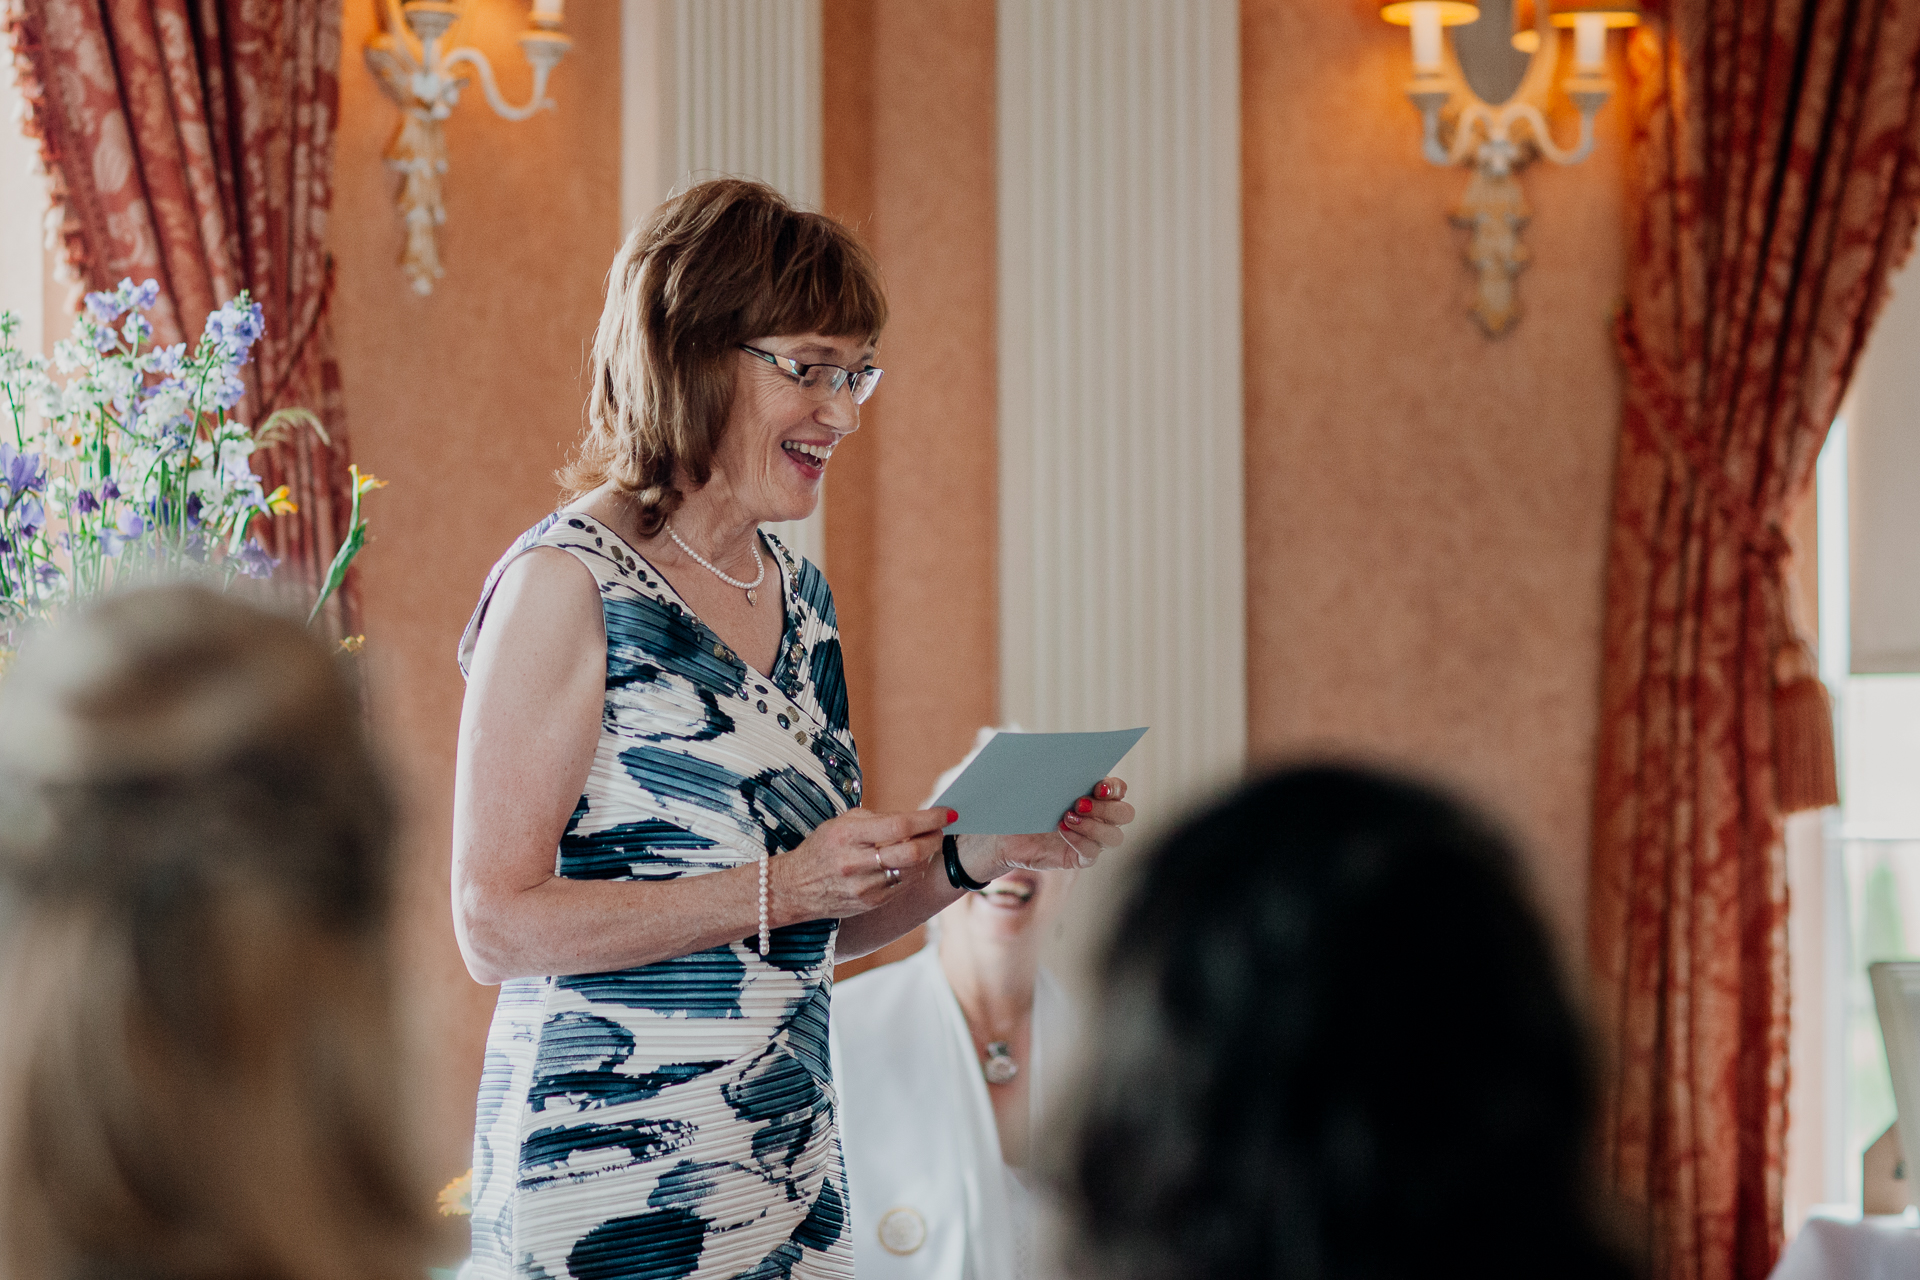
<point>708,565</point>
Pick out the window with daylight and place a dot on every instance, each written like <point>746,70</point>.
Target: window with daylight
<point>23,207</point>
<point>1869,532</point>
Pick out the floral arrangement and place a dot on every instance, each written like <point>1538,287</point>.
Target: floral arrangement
<point>131,463</point>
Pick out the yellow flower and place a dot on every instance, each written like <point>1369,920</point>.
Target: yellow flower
<point>353,644</point>
<point>280,504</point>
<point>456,1198</point>
<point>366,483</point>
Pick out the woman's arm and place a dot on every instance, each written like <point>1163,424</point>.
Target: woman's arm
<point>528,731</point>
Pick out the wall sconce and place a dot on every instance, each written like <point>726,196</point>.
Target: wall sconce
<point>1459,126</point>
<point>419,75</point>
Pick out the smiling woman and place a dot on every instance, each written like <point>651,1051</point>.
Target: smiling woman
<point>658,848</point>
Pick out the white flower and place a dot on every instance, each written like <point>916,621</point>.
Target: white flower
<point>63,441</point>
<point>234,464</point>
<point>44,396</point>
<point>165,409</point>
<point>69,355</point>
<point>118,382</point>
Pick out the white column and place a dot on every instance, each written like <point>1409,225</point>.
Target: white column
<point>744,100</point>
<point>1122,547</point>
<point>747,93</point>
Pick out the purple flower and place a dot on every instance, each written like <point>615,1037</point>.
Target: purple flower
<point>230,391</point>
<point>85,503</point>
<point>110,492</point>
<point>193,508</point>
<point>105,307</point>
<point>20,472</point>
<point>129,527</point>
<point>30,516</point>
<point>142,298</point>
<point>47,574</point>
<point>237,328</point>
<point>255,562</point>
<point>136,330</point>
<point>104,340</point>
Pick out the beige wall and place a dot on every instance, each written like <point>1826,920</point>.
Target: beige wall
<point>464,402</point>
<point>1426,509</point>
<point>912,511</point>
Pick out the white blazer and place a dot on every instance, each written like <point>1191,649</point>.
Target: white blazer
<point>929,1191</point>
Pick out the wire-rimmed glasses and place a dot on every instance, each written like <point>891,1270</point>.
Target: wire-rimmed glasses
<point>822,381</point>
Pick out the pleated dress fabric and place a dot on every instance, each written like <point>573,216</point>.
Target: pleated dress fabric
<point>678,1119</point>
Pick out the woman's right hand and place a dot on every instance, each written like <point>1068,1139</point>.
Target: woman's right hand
<point>842,868</point>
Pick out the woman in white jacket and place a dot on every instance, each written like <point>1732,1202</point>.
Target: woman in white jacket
<point>942,1062</point>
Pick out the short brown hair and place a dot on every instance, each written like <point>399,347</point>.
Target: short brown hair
<point>196,1078</point>
<point>722,262</point>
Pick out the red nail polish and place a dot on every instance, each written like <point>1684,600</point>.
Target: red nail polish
<point>953,816</point>
<point>1103,791</point>
<point>1083,805</point>
<point>1072,819</point>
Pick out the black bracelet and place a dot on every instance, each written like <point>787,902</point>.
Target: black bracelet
<point>956,874</point>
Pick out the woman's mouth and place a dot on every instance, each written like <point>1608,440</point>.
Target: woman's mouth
<point>1011,892</point>
<point>810,458</point>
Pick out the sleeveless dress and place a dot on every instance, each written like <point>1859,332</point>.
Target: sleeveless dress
<point>678,1119</point>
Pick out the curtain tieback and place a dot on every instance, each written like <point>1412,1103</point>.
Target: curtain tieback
<point>1805,776</point>
<point>297,350</point>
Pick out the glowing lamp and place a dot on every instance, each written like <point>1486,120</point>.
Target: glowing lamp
<point>1526,31</point>
<point>1590,20</point>
<point>1425,18</point>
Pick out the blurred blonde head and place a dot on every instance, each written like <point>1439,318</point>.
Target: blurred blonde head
<point>195,1077</point>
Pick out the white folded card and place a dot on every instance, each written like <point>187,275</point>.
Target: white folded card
<point>1024,783</point>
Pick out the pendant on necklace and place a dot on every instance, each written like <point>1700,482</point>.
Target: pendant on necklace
<point>750,598</point>
<point>1000,1067</point>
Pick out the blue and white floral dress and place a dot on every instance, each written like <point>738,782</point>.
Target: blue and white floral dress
<point>677,1120</point>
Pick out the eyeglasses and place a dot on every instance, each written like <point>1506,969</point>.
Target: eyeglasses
<point>822,381</point>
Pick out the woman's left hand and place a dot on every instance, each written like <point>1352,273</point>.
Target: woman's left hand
<point>1086,831</point>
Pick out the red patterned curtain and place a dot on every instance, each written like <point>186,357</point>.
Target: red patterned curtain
<point>191,142</point>
<point>1775,177</point>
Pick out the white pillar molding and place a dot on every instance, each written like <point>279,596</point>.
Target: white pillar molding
<point>736,88</point>
<point>1122,545</point>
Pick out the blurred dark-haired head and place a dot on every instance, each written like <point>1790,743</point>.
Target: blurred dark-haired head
<point>195,1079</point>
<point>1332,1043</point>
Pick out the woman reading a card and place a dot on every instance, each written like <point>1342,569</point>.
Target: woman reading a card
<point>659,849</point>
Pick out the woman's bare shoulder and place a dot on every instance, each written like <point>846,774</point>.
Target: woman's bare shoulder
<point>545,605</point>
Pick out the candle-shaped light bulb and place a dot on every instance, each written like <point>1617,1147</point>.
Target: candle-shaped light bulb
<point>547,12</point>
<point>1425,29</point>
<point>1590,42</point>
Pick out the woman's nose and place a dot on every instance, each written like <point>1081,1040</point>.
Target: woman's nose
<point>839,413</point>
